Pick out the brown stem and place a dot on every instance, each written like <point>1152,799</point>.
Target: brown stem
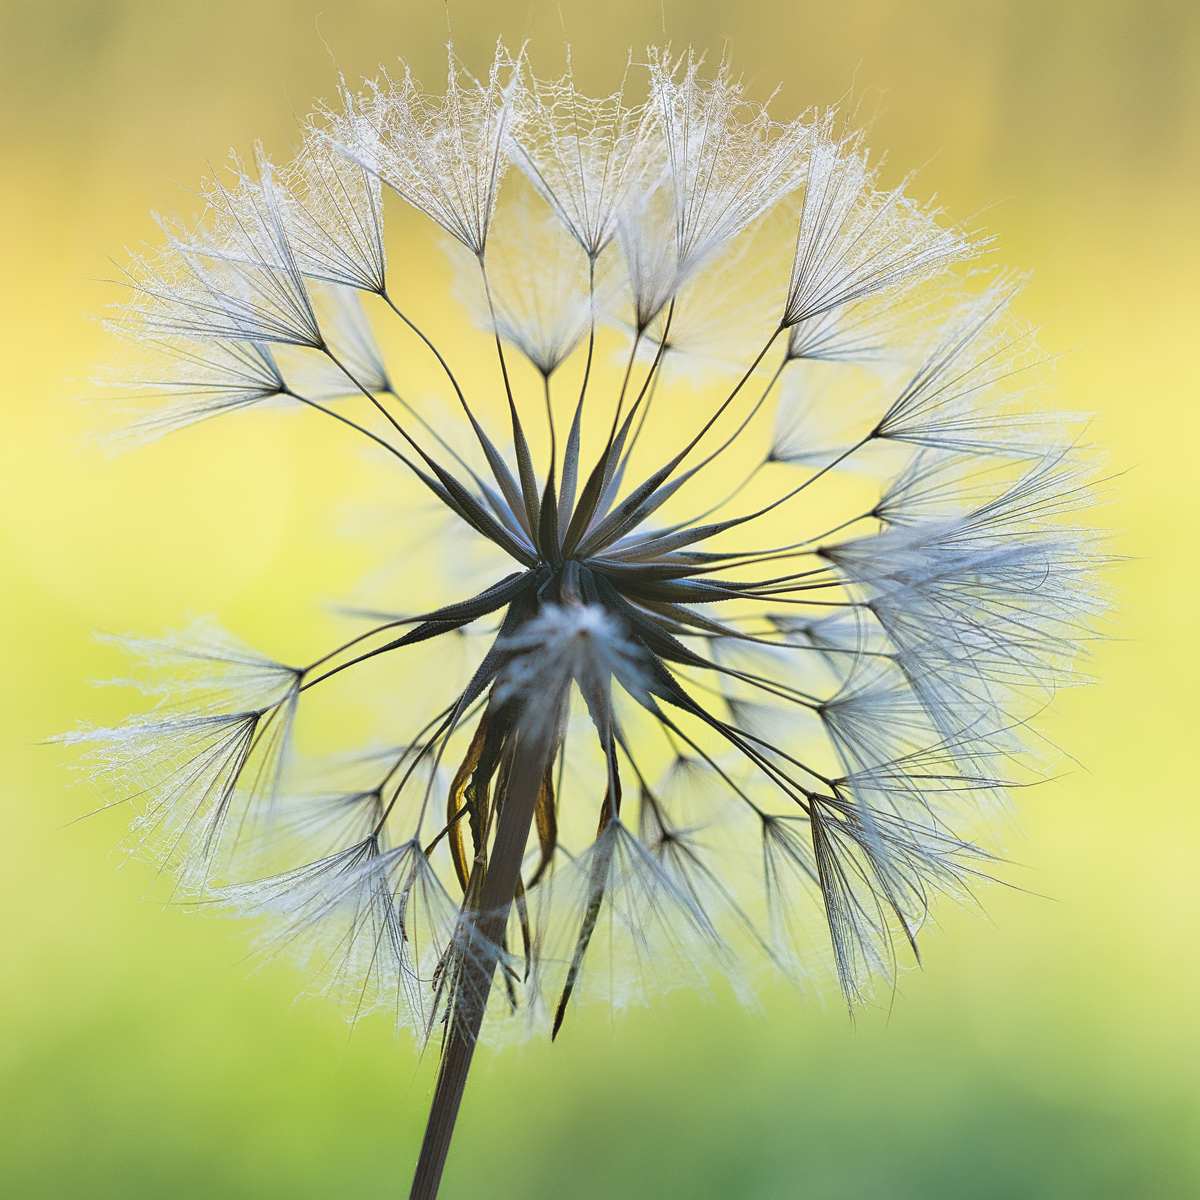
<point>495,901</point>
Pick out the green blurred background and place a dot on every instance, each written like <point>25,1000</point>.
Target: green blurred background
<point>1050,1050</point>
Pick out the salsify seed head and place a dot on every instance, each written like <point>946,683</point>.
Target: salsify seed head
<point>778,554</point>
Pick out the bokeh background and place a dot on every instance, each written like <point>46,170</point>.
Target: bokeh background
<point>1049,1050</point>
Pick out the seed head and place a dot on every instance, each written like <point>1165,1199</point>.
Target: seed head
<point>762,640</point>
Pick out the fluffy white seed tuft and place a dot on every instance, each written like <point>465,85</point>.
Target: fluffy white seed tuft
<point>810,553</point>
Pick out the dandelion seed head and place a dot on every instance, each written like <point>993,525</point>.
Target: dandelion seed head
<point>783,551</point>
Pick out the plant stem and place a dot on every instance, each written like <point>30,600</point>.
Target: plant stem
<point>489,921</point>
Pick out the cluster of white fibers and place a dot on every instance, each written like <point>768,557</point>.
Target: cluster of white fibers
<point>760,446</point>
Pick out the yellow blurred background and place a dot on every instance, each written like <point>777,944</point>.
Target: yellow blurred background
<point>1050,1050</point>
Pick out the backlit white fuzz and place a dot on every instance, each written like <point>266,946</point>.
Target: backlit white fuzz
<point>755,645</point>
